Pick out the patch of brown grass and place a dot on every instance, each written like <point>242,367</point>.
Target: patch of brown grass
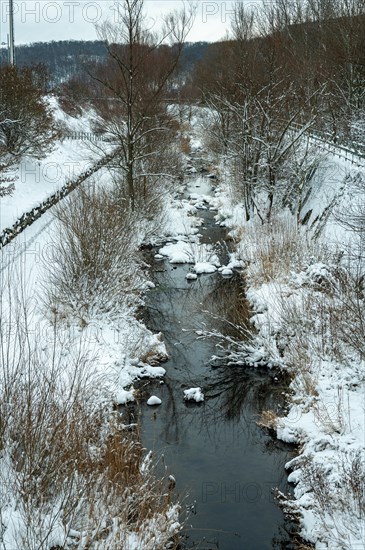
<point>269,420</point>
<point>185,146</point>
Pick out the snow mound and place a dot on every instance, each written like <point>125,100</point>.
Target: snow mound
<point>191,276</point>
<point>194,394</point>
<point>204,267</point>
<point>195,144</point>
<point>153,400</point>
<point>178,253</point>
<point>182,252</point>
<point>124,396</point>
<point>320,274</point>
<point>234,262</point>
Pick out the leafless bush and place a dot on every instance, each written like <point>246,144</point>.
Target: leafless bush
<point>93,263</point>
<point>150,194</point>
<point>301,337</point>
<point>353,472</point>
<point>339,506</point>
<point>334,308</point>
<point>353,217</point>
<point>346,315</point>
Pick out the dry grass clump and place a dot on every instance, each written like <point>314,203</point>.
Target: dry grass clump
<point>274,249</point>
<point>300,352</point>
<point>185,145</point>
<point>269,420</point>
<point>93,263</point>
<point>303,367</point>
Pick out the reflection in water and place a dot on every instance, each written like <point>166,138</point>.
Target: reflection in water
<point>242,391</point>
<point>208,301</point>
<point>227,305</point>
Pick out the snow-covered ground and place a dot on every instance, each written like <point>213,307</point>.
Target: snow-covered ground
<point>35,180</point>
<point>31,254</point>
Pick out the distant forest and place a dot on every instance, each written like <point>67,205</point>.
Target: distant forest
<point>66,58</point>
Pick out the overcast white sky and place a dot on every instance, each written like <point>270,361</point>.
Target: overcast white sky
<point>46,20</point>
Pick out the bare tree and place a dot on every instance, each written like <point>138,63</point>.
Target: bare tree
<point>26,122</point>
<point>255,103</point>
<point>134,81</point>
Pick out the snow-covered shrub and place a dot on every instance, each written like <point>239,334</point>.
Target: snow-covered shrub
<point>7,184</point>
<point>272,250</point>
<point>335,493</point>
<point>94,263</point>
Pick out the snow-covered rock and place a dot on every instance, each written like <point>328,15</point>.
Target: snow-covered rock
<point>204,267</point>
<point>194,394</point>
<point>153,400</point>
<point>178,253</point>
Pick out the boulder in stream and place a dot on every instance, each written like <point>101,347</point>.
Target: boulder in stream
<point>194,394</point>
<point>153,400</point>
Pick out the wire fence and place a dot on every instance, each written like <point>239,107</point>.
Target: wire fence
<point>28,218</point>
<point>89,136</point>
<point>351,151</point>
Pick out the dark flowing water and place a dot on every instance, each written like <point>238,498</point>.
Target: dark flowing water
<point>225,466</point>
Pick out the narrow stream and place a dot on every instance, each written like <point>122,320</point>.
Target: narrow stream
<point>225,466</point>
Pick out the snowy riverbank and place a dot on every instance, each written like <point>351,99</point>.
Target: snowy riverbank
<point>308,304</point>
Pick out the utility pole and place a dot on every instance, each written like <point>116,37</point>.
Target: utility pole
<point>11,33</point>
